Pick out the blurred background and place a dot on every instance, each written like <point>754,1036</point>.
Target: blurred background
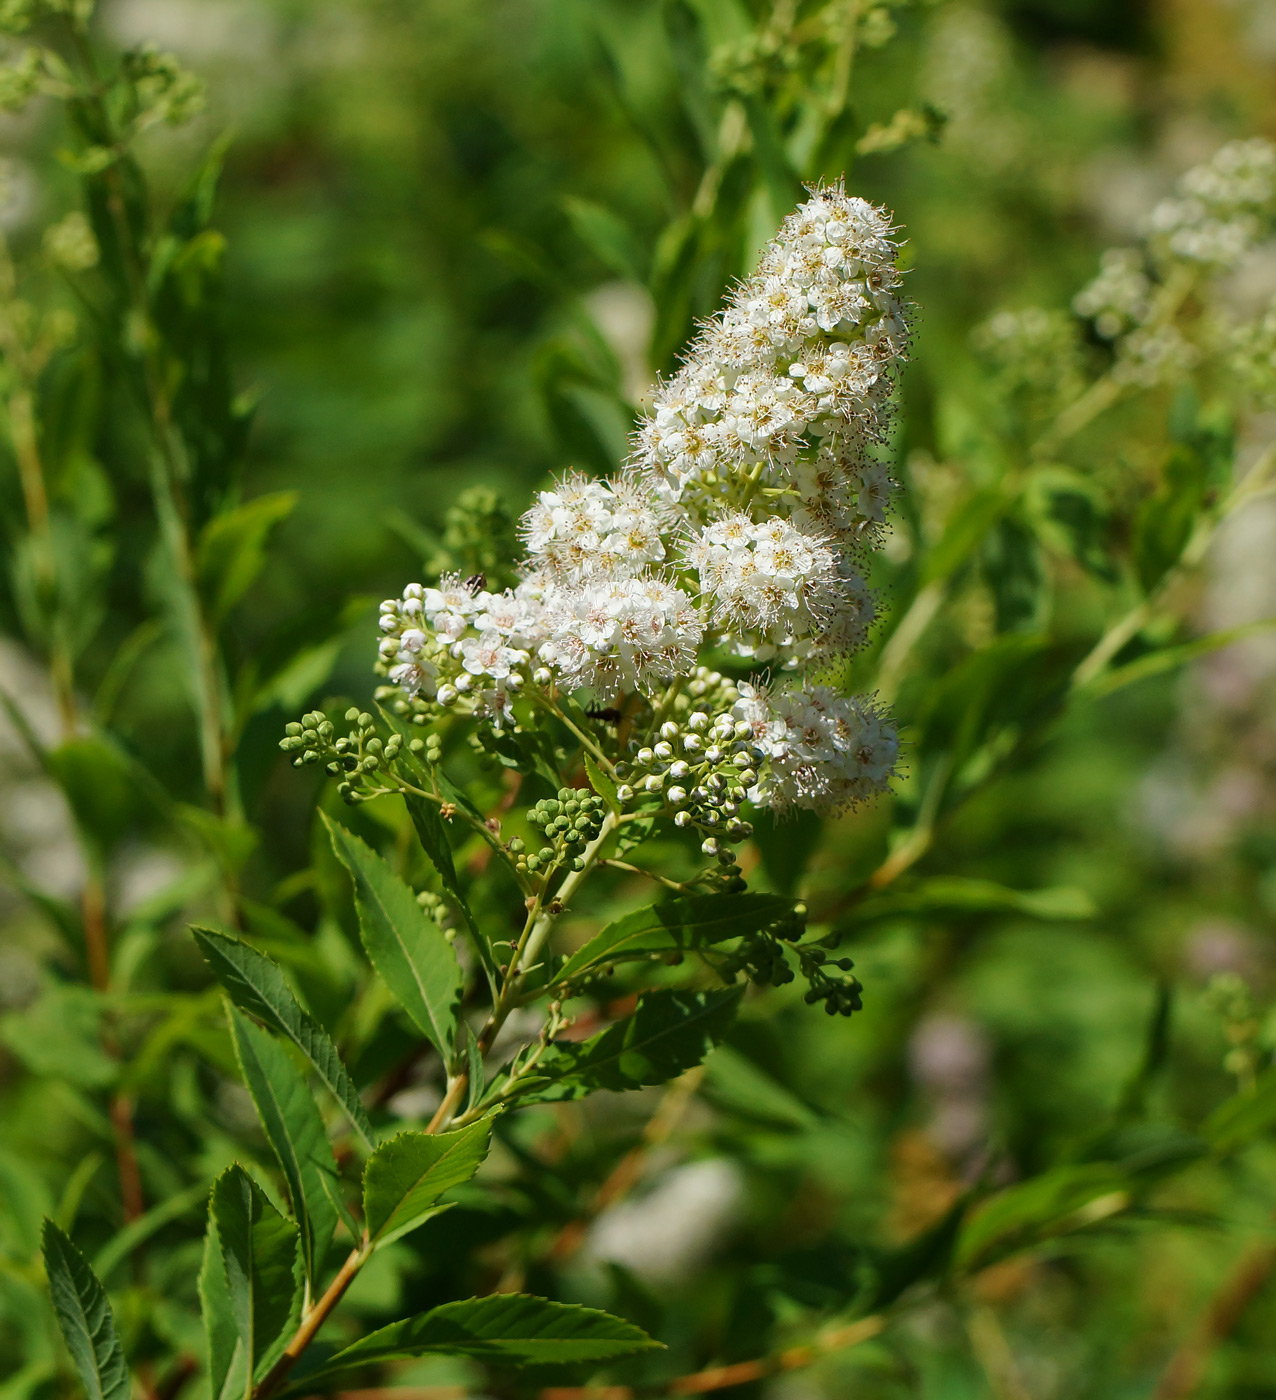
<point>462,240</point>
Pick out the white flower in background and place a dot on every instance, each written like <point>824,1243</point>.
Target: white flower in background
<point>1119,297</point>
<point>1153,355</point>
<point>1221,208</point>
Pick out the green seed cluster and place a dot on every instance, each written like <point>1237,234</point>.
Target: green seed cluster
<point>570,822</point>
<point>354,756</point>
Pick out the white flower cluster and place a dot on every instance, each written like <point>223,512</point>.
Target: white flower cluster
<point>802,352</point>
<point>1222,207</point>
<point>824,750</point>
<point>768,577</point>
<point>738,524</point>
<point>594,529</point>
<point>1250,348</point>
<point>1120,297</point>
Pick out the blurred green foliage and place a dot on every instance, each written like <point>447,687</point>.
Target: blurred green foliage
<point>447,246</point>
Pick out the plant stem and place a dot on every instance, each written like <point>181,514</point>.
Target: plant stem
<point>314,1320</point>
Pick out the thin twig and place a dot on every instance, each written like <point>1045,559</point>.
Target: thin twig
<point>1187,1366</point>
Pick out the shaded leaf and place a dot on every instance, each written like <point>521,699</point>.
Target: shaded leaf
<point>85,1318</point>
<point>1243,1117</point>
<point>295,1132</point>
<point>432,833</point>
<point>510,1329</point>
<point>405,946</point>
<point>960,894</point>
<point>259,1260</point>
<point>669,1032</point>
<point>606,236</point>
<point>256,985</point>
<point>226,1354</point>
<point>408,1173</point>
<point>232,549</point>
<point>692,922</point>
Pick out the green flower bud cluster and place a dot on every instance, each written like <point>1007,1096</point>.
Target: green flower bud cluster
<point>356,755</point>
<point>764,960</point>
<point>839,993</point>
<point>570,822</point>
<point>479,537</point>
<point>761,957</point>
<point>413,708</point>
<point>701,767</point>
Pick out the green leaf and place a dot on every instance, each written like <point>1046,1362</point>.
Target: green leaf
<point>1057,1202</point>
<point>226,1355</point>
<point>669,1032</point>
<point>432,834</point>
<point>692,922</point>
<point>259,1259</point>
<point>407,1174</point>
<point>405,946</point>
<point>1243,1117</point>
<point>510,1329</point>
<point>606,236</point>
<point>1014,571</point>
<point>602,784</point>
<point>232,549</point>
<point>85,1317</point>
<point>963,895</point>
<point>1166,519</point>
<point>256,985</point>
<point>295,1132</point>
<point>1156,663</point>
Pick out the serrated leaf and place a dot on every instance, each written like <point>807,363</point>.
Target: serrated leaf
<point>295,1132</point>
<point>692,922</point>
<point>405,946</point>
<point>259,1259</point>
<point>668,1033</point>
<point>510,1329</point>
<point>407,1174</point>
<point>256,985</point>
<point>226,1355</point>
<point>85,1318</point>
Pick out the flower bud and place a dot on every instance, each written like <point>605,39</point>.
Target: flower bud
<point>663,750</point>
<point>677,796</point>
<point>679,769</point>
<point>698,722</point>
<point>624,793</point>
<point>669,730</point>
<point>447,695</point>
<point>710,845</point>
<point>542,676</point>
